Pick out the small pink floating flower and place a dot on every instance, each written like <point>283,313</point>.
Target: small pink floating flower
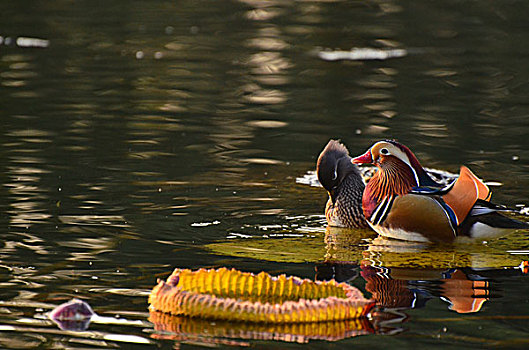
<point>73,315</point>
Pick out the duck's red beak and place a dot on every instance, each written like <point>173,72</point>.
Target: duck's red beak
<point>365,158</point>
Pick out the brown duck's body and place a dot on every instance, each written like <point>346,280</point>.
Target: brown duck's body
<point>345,186</point>
<point>346,209</point>
<point>433,227</point>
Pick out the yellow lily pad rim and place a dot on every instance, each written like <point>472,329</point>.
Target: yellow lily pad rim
<point>243,296</point>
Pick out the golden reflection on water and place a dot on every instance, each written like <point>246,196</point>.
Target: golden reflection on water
<point>25,174</point>
<point>21,72</point>
<point>234,333</point>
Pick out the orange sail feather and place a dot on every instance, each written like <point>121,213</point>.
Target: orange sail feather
<point>467,189</point>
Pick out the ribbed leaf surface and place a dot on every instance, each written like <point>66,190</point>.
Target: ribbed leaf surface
<point>234,295</point>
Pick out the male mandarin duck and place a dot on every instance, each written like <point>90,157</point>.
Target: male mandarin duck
<point>402,201</point>
<point>342,180</point>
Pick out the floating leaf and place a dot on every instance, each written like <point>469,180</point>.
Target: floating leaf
<point>243,296</point>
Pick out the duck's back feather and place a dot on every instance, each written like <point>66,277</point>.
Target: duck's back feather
<point>464,193</point>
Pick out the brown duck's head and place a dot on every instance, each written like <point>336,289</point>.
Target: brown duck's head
<point>333,166</point>
<point>390,154</point>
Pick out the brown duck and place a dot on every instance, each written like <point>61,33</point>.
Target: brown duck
<point>344,183</point>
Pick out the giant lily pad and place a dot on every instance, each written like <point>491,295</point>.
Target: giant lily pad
<point>242,296</point>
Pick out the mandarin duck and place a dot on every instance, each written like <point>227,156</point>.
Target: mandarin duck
<point>401,200</point>
<point>344,183</point>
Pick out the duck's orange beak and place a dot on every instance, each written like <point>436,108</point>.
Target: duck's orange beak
<point>365,158</point>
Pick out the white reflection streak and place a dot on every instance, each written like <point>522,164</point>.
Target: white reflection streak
<point>94,220</point>
<point>362,54</point>
<point>32,42</point>
<point>124,338</point>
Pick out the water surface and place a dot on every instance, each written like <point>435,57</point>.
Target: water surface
<point>141,136</point>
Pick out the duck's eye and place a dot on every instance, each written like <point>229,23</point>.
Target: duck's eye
<point>384,151</point>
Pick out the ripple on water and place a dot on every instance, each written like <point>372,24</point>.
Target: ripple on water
<point>95,220</point>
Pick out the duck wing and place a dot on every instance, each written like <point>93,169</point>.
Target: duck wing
<point>464,193</point>
<point>461,195</point>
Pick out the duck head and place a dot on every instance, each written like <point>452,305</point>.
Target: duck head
<point>391,156</point>
<point>333,166</point>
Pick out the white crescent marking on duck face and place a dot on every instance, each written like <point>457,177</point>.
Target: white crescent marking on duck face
<point>397,152</point>
<point>404,157</point>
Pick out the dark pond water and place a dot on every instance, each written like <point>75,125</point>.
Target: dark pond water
<point>140,136</point>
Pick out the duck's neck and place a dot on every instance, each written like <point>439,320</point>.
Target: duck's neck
<point>391,179</point>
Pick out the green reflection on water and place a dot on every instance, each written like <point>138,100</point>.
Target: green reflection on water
<point>341,245</point>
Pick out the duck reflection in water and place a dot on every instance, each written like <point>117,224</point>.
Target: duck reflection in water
<point>465,290</point>
<point>406,288</point>
<point>398,289</point>
<point>406,275</point>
